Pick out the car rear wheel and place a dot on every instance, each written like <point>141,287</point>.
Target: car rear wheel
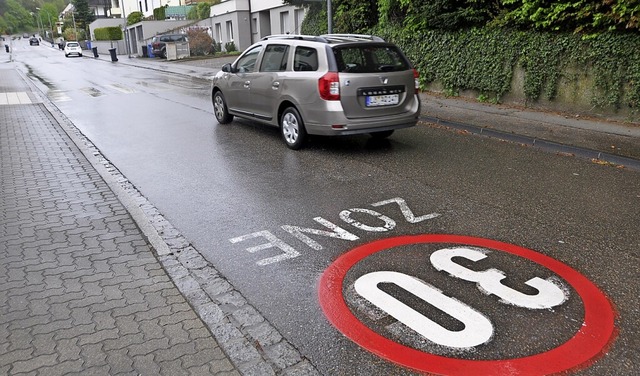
<point>382,134</point>
<point>292,129</point>
<point>220,109</point>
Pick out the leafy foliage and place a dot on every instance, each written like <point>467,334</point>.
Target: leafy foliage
<point>436,14</point>
<point>16,18</point>
<point>480,44</point>
<point>83,15</point>
<point>200,42</point>
<point>134,17</point>
<point>160,13</point>
<point>201,11</point>
<point>577,15</point>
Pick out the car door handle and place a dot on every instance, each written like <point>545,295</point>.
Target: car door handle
<point>275,85</point>
<point>247,84</point>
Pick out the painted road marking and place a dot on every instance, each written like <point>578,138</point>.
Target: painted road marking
<point>582,348</point>
<point>14,98</point>
<point>380,223</point>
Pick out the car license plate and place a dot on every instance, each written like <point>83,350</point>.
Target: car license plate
<point>381,100</point>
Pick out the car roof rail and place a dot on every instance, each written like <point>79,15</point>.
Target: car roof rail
<point>296,36</point>
<point>347,37</point>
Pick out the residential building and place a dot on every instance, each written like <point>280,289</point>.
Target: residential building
<point>245,22</point>
<point>115,8</point>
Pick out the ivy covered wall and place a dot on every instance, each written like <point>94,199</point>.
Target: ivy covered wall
<point>495,60</point>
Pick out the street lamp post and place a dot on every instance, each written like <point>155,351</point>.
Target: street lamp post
<point>49,17</point>
<point>38,22</point>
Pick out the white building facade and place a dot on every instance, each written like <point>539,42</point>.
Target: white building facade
<point>245,22</point>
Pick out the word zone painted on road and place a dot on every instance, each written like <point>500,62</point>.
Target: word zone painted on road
<point>384,224</point>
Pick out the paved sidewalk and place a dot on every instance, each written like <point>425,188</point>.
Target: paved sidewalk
<point>81,291</point>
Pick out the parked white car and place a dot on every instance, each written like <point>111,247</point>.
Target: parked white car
<point>72,48</point>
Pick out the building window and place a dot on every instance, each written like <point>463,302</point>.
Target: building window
<point>284,23</point>
<point>230,30</point>
<point>254,26</point>
<point>219,32</point>
<point>146,6</point>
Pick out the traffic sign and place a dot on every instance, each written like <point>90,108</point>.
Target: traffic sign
<point>584,347</point>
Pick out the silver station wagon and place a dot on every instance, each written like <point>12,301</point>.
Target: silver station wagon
<point>335,84</point>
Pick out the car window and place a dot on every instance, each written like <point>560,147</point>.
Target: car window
<point>247,62</point>
<point>305,59</point>
<point>370,59</point>
<point>275,58</point>
<point>72,44</point>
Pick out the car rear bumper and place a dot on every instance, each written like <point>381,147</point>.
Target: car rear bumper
<point>331,121</point>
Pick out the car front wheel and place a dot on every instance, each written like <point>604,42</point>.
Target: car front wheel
<point>220,109</point>
<point>292,129</point>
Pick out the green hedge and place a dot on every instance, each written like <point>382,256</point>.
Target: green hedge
<point>159,14</point>
<point>108,33</point>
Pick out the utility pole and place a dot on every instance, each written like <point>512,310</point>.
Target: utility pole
<point>329,18</point>
<point>124,28</point>
<point>75,30</point>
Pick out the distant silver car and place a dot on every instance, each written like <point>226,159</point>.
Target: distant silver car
<point>334,84</point>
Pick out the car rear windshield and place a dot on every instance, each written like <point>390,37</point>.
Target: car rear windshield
<point>370,59</point>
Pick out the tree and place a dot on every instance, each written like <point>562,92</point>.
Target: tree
<point>48,15</point>
<point>134,17</point>
<point>200,42</point>
<point>83,15</point>
<point>201,10</point>
<point>16,18</point>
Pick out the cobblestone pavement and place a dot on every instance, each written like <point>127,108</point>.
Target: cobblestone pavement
<point>81,291</point>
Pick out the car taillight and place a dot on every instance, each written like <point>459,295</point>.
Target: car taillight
<point>416,80</point>
<point>329,86</point>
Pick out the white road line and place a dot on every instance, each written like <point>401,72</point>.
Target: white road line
<point>15,98</point>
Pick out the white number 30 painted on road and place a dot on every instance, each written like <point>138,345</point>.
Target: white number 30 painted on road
<point>478,329</point>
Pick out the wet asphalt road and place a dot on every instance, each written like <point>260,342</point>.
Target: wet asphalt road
<point>243,199</point>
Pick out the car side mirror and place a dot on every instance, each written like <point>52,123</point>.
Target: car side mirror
<point>228,68</point>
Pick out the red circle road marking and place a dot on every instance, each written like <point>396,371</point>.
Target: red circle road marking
<point>597,332</point>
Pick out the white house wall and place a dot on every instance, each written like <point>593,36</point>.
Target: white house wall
<point>260,5</point>
<point>292,26</point>
<point>265,19</point>
<point>232,6</point>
